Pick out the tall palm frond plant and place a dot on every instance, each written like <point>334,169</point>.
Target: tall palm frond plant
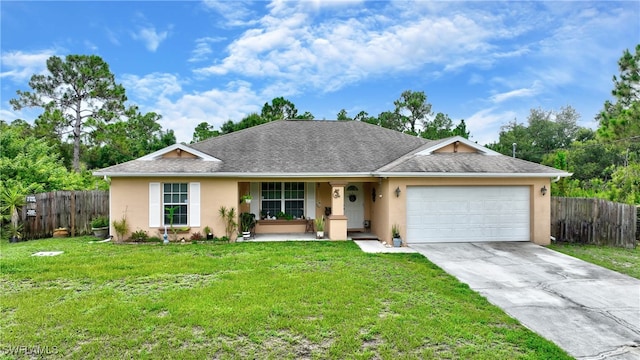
<point>12,198</point>
<point>230,224</point>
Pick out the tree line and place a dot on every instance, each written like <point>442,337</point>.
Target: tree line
<point>86,124</point>
<point>606,162</point>
<point>412,115</point>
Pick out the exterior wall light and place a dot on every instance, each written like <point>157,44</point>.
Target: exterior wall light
<point>543,190</point>
<point>398,191</point>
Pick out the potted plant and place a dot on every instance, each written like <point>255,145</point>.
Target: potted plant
<point>395,234</point>
<point>15,232</point>
<point>247,222</point>
<point>246,199</point>
<point>60,232</point>
<point>100,227</point>
<point>208,233</point>
<point>320,227</point>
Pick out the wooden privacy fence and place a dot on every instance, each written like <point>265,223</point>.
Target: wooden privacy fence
<point>593,221</point>
<point>73,210</point>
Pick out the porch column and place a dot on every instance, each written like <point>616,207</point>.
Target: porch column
<point>337,219</point>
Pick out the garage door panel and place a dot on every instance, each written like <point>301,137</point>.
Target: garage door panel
<point>468,213</point>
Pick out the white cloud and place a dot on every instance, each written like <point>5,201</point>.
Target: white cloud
<point>203,48</point>
<point>113,37</point>
<point>333,52</point>
<point>534,90</point>
<point>215,106</point>
<point>19,66</point>
<point>476,79</point>
<point>235,13</point>
<point>483,124</point>
<point>151,86</point>
<point>150,37</point>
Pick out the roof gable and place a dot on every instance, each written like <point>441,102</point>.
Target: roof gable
<point>456,141</point>
<point>177,151</point>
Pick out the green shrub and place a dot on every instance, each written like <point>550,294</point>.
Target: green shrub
<point>139,236</point>
<point>100,222</point>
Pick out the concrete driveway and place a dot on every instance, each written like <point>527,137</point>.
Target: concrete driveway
<point>589,311</point>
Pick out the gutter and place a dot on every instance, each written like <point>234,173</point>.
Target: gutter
<point>339,175</point>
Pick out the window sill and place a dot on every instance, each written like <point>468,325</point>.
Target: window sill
<point>282,222</point>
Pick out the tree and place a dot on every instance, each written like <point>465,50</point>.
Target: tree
<point>203,131</point>
<point>589,160</point>
<point>279,109</point>
<point>413,109</point>
<point>364,117</point>
<point>547,130</point>
<point>461,130</point>
<point>122,140</point>
<point>28,162</point>
<point>621,120</point>
<point>390,120</point>
<point>625,184</point>
<point>342,115</point>
<point>79,93</point>
<point>306,116</point>
<point>510,134</point>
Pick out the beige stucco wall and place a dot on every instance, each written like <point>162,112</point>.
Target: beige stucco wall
<point>540,211</point>
<point>175,154</point>
<point>460,147</point>
<point>131,195</point>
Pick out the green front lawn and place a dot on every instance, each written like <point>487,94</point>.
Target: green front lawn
<point>246,300</point>
<point>625,261</point>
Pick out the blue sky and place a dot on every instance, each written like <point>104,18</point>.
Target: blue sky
<point>191,61</point>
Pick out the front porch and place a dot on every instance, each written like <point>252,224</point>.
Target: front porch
<point>286,210</point>
<point>305,236</point>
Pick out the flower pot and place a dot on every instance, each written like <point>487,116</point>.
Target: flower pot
<point>247,201</point>
<point>397,242</point>
<point>246,235</point>
<point>14,239</point>
<point>60,232</point>
<point>209,236</point>
<point>319,234</point>
<point>101,232</point>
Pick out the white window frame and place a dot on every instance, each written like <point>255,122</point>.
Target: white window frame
<point>282,198</point>
<point>181,202</point>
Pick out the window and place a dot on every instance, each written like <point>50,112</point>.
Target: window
<point>287,197</point>
<point>175,196</point>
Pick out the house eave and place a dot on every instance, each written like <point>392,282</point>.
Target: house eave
<point>236,175</point>
<point>334,175</point>
<point>470,175</point>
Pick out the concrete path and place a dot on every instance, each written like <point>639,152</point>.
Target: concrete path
<point>589,311</point>
<point>375,246</point>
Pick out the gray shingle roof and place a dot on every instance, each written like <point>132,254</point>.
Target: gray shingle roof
<point>298,147</point>
<point>309,146</point>
<point>469,163</point>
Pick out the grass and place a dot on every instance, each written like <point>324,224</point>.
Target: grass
<point>625,261</point>
<point>315,300</point>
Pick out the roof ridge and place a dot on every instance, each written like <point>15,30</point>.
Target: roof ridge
<point>405,157</point>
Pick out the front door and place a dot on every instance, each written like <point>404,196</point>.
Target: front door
<point>354,206</point>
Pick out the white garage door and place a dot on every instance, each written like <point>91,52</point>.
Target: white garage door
<point>467,213</point>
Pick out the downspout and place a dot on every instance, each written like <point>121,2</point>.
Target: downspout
<point>552,238</point>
